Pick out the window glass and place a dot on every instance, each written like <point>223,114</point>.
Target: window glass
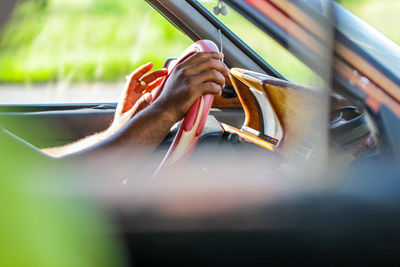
<point>381,48</point>
<point>80,50</point>
<point>381,14</point>
<point>281,60</point>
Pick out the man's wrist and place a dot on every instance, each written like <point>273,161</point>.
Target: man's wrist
<point>166,115</point>
<point>165,112</point>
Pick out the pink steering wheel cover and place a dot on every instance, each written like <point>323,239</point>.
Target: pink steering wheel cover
<point>206,100</point>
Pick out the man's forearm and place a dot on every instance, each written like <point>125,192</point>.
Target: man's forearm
<point>129,147</point>
<point>141,135</point>
<point>82,144</point>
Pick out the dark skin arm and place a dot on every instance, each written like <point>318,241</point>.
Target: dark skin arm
<point>136,95</point>
<point>202,73</point>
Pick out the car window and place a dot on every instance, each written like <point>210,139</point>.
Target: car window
<point>383,15</point>
<point>59,51</point>
<point>384,50</point>
<point>282,61</point>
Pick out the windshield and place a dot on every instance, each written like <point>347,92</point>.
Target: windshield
<point>275,55</point>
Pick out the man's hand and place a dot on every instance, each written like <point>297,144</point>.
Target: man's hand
<point>136,94</point>
<point>201,73</point>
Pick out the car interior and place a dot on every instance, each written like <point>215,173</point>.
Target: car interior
<point>250,109</point>
<point>56,124</point>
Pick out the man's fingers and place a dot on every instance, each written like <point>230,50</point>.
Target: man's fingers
<point>142,70</point>
<point>150,77</point>
<point>210,76</point>
<point>206,65</point>
<point>211,88</point>
<point>140,104</point>
<point>153,85</point>
<point>129,96</point>
<point>200,56</point>
<point>147,97</point>
<point>146,82</point>
<point>134,77</point>
<point>143,102</point>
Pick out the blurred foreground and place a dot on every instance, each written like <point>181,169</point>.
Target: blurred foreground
<point>221,208</point>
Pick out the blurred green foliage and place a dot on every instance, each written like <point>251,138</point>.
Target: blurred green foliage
<point>104,40</point>
<point>84,40</point>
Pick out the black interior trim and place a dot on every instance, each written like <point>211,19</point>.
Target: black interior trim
<point>174,20</point>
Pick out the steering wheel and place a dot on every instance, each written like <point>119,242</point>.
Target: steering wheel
<point>193,123</point>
